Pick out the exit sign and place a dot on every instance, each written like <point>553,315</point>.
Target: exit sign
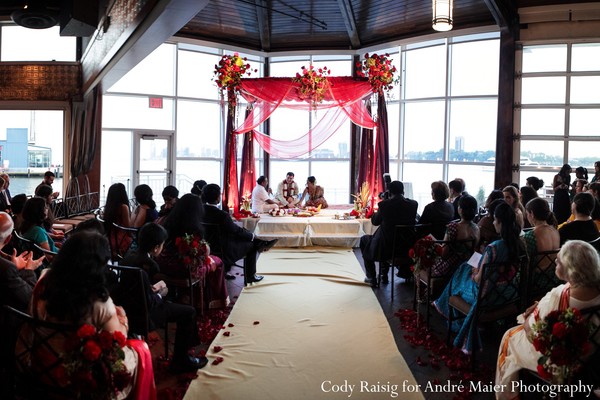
<point>156,102</point>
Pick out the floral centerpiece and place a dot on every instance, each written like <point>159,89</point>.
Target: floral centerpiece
<point>562,338</point>
<point>379,71</point>
<point>424,253</point>
<point>94,363</point>
<point>362,198</point>
<point>193,251</point>
<point>228,76</point>
<point>313,84</point>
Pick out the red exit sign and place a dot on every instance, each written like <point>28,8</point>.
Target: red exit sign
<point>156,102</point>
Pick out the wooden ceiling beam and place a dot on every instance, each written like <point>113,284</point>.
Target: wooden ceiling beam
<point>348,16</point>
<point>263,24</point>
<point>505,13</point>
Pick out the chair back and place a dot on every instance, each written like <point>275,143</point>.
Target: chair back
<point>501,289</point>
<point>541,275</point>
<point>127,289</point>
<point>38,356</point>
<point>596,244</point>
<point>121,239</point>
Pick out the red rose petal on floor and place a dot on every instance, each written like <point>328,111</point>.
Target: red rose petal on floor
<point>226,333</point>
<point>217,361</point>
<point>230,325</point>
<point>217,349</point>
<point>256,322</point>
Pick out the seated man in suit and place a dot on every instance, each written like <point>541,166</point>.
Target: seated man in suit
<point>235,240</point>
<point>395,210</point>
<point>151,239</point>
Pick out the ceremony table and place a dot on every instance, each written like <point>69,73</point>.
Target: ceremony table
<point>321,229</point>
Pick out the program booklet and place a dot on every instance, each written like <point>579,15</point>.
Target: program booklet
<point>474,260</point>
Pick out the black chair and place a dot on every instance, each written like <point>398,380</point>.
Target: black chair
<point>186,286</point>
<point>500,296</point>
<point>37,361</point>
<point>589,374</point>
<point>596,244</point>
<point>121,239</point>
<point>541,276</point>
<point>127,289</point>
<point>433,285</point>
<point>404,238</point>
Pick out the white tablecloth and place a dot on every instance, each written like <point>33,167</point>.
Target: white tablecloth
<point>319,230</point>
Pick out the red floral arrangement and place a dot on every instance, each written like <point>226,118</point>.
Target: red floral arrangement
<point>562,338</point>
<point>424,253</point>
<point>379,70</point>
<point>313,84</point>
<point>94,363</point>
<point>193,251</point>
<point>228,76</point>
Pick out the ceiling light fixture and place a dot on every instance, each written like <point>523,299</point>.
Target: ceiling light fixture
<point>442,15</point>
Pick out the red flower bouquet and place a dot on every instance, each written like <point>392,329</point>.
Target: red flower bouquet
<point>193,251</point>
<point>94,363</point>
<point>228,76</point>
<point>424,253</point>
<point>313,84</point>
<point>562,338</point>
<point>379,70</point>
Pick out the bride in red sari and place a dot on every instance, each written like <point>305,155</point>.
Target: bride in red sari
<point>186,220</point>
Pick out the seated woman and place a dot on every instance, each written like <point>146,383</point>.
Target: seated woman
<point>511,196</point>
<point>465,281</point>
<point>186,219</point>
<point>577,264</point>
<point>454,254</point>
<point>73,291</point>
<point>582,227</point>
<point>35,212</point>
<point>437,213</point>
<point>543,236</point>
<point>116,210</point>
<point>315,193</point>
<point>146,210</point>
<point>45,192</point>
<point>487,231</point>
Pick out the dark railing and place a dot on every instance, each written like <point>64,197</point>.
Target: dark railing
<point>76,205</point>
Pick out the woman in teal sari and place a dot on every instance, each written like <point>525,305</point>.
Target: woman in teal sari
<point>465,281</point>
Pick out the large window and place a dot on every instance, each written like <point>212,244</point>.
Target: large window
<point>447,115</point>
<point>558,117</point>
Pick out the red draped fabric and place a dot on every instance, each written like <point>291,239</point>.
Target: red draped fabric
<point>230,184</point>
<point>247,173</point>
<point>366,157</point>
<point>343,99</point>
<point>382,147</point>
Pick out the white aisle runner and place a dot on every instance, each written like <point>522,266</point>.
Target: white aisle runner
<point>310,330</point>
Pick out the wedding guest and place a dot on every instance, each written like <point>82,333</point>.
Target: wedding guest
<point>287,191</point>
<point>35,212</point>
<point>186,219</point>
<point>238,242</point>
<point>578,264</point>
<point>261,201</point>
<point>455,253</point>
<point>5,199</point>
<point>466,280</point>
<point>170,195</point>
<point>18,202</point>
<point>49,180</point>
<point>596,177</point>
<point>116,210</point>
<point>535,183</point>
<point>511,196</point>
<point>583,226</point>
<point>315,194</point>
<point>151,239</point>
<point>197,187</point>
<point>594,189</point>
<point>146,208</point>
<point>45,192</point>
<point>457,187</point>
<point>562,204</point>
<point>487,231</point>
<point>395,210</point>
<point>437,213</point>
<point>74,291</point>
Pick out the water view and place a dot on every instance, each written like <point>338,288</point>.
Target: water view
<point>27,185</point>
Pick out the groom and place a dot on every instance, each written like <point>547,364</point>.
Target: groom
<point>287,191</point>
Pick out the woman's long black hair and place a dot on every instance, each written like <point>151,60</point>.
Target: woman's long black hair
<point>33,213</point>
<point>510,231</point>
<point>185,217</point>
<point>116,196</point>
<point>76,279</point>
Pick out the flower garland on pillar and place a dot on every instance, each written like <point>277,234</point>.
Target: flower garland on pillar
<point>378,69</point>
<point>228,76</point>
<point>313,84</point>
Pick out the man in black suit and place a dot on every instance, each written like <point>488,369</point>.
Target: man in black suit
<point>235,240</point>
<point>395,210</point>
